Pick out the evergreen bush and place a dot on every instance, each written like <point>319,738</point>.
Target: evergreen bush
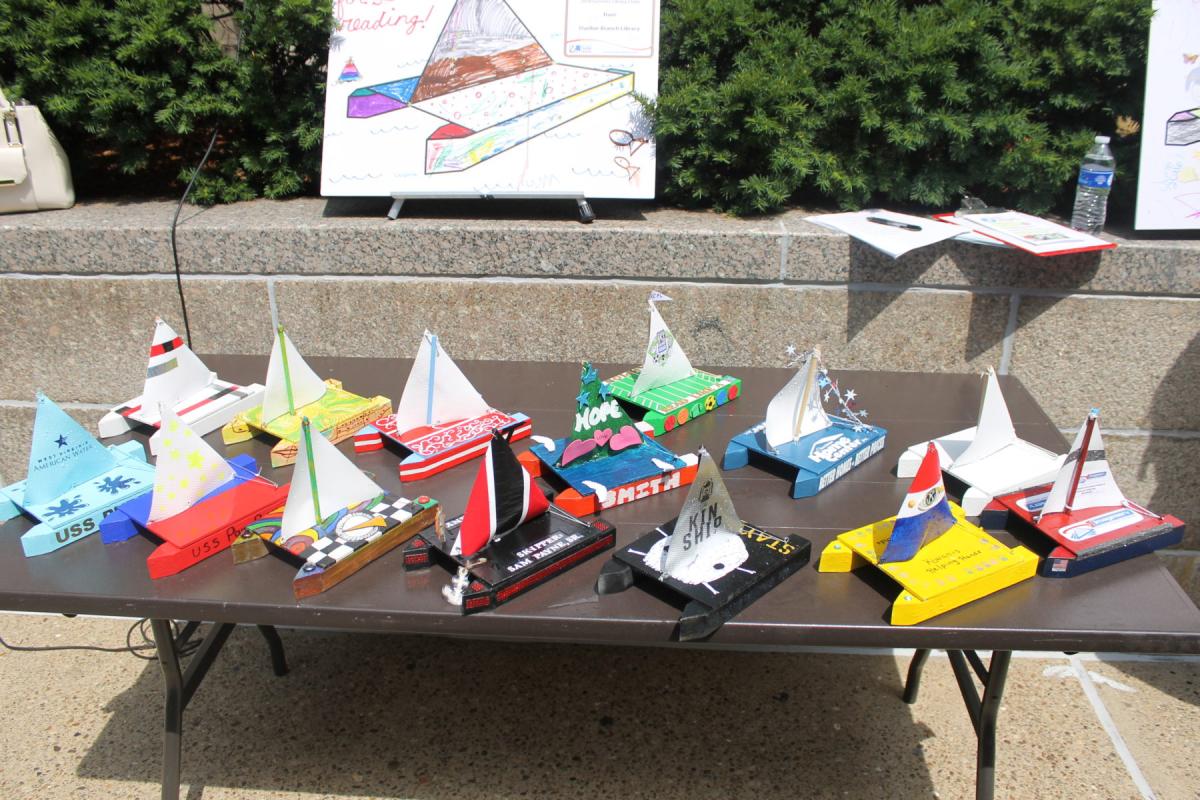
<point>762,102</point>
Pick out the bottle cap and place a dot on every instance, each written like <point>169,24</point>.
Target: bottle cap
<point>1102,140</point>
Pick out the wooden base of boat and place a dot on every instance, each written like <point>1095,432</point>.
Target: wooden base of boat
<point>667,407</point>
<point>207,528</point>
<point>603,483</point>
<point>524,558</point>
<point>337,415</point>
<point>962,565</point>
<point>707,605</point>
<point>1076,542</point>
<point>344,542</point>
<point>817,459</point>
<point>78,513</point>
<point>427,452</point>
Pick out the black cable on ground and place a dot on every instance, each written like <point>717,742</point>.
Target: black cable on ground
<point>139,626</point>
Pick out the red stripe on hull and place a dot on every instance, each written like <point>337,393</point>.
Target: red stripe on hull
<point>457,455</point>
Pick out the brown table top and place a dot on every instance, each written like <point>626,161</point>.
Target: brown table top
<point>1133,606</point>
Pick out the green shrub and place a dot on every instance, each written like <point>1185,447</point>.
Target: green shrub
<point>762,102</point>
<point>134,89</point>
<point>871,101</point>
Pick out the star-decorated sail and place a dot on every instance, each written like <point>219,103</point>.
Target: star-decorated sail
<point>925,513</point>
<point>324,482</point>
<point>291,383</point>
<point>62,454</point>
<point>174,371</point>
<point>187,468</point>
<point>437,392</point>
<point>503,497</point>
<point>705,545</point>
<point>1085,479</point>
<point>994,431</point>
<point>665,361</point>
<point>797,409</point>
<point>601,426</point>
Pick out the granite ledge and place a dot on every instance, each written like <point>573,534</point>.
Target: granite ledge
<point>351,236</point>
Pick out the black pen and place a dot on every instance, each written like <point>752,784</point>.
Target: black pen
<point>908,226</point>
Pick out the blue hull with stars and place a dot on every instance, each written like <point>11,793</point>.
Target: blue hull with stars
<point>79,511</point>
<point>819,458</point>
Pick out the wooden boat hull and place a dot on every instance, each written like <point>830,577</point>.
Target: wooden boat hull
<point>962,565</point>
<point>204,412</point>
<point>451,445</point>
<point>1081,541</point>
<point>818,459</point>
<point>667,407</point>
<point>524,558</point>
<point>80,512</point>
<point>770,559</point>
<point>337,415</point>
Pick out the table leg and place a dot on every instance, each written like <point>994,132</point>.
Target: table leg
<point>983,713</point>
<point>275,645</point>
<point>168,659</point>
<point>181,684</point>
<point>913,684</point>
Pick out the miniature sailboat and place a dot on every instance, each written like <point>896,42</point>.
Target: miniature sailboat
<point>606,460</point>
<point>667,391</point>
<point>1085,514</point>
<point>988,459</point>
<point>294,391</point>
<point>73,481</point>
<point>177,378</point>
<point>798,434</point>
<point>442,420</point>
<point>708,556</point>
<point>510,539</point>
<point>940,560</point>
<point>336,520</point>
<point>200,504</point>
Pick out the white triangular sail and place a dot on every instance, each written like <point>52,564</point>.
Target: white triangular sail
<point>1085,480</point>
<point>797,410</point>
<point>339,484</point>
<point>291,383</point>
<point>994,431</point>
<point>437,392</point>
<point>187,467</point>
<point>665,361</point>
<point>706,543</point>
<point>174,371</point>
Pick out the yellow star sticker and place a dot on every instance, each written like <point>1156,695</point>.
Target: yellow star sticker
<point>173,425</point>
<point>175,454</point>
<point>195,460</point>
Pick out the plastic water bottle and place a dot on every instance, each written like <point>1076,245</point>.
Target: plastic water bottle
<point>1095,182</point>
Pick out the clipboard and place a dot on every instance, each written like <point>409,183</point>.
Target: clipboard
<point>1026,232</point>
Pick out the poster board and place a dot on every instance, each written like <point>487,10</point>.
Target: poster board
<point>508,97</point>
<point>1168,196</point>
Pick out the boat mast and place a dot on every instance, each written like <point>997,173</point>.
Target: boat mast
<point>287,373</point>
<point>1079,464</point>
<point>798,416</point>
<point>306,434</point>
<point>433,348</point>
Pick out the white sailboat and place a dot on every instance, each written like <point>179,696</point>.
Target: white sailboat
<point>324,481</point>
<point>177,378</point>
<point>797,410</point>
<point>436,393</point>
<point>291,382</point>
<point>705,545</point>
<point>665,362</point>
<point>1085,480</point>
<point>187,468</point>
<point>989,458</point>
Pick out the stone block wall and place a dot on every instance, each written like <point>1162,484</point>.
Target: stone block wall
<point>1120,330</point>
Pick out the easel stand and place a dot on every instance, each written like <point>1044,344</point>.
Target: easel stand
<point>586,214</point>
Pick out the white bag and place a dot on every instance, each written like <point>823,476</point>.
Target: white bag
<point>34,173</point>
